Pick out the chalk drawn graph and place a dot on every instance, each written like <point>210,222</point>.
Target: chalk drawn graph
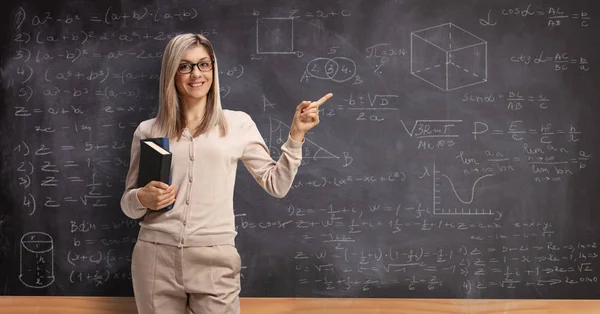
<point>466,202</point>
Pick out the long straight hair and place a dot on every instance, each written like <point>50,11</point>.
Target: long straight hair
<point>170,120</point>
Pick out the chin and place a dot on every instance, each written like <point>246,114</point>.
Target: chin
<point>198,94</point>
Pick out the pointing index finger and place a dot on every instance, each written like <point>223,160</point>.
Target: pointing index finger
<point>323,99</point>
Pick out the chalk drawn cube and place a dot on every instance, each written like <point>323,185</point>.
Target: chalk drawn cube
<point>448,57</point>
<point>275,35</point>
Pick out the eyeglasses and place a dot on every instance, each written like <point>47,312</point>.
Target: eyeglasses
<point>203,66</point>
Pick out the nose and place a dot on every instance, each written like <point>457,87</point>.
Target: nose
<point>194,67</point>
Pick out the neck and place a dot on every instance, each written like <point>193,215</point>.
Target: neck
<point>194,111</point>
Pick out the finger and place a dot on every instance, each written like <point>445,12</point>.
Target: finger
<point>303,105</point>
<point>323,99</point>
<point>166,202</point>
<point>159,184</point>
<point>166,194</point>
<point>310,111</point>
<point>160,191</point>
<point>157,197</point>
<point>161,199</point>
<point>312,106</point>
<point>168,190</point>
<point>312,117</point>
<point>154,191</point>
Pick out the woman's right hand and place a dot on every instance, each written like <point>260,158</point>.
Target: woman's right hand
<point>157,195</point>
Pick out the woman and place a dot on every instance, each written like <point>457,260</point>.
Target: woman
<point>185,258</point>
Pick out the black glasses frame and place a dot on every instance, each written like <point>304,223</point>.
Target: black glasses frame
<point>198,66</point>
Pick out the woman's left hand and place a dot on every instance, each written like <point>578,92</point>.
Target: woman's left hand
<point>306,117</point>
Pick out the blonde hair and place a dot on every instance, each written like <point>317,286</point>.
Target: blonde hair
<point>170,121</point>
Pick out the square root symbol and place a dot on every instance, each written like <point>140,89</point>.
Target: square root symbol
<point>275,35</point>
<point>448,57</point>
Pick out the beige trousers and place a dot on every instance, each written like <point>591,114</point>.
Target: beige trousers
<point>199,280</point>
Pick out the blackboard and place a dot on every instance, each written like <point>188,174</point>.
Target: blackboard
<point>457,159</point>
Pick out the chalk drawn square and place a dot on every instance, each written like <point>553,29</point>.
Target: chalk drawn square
<point>275,35</point>
<point>448,57</point>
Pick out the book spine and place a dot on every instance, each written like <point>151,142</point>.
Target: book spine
<point>165,144</point>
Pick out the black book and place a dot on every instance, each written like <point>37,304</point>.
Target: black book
<point>155,164</point>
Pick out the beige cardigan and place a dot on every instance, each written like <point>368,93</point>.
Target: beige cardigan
<point>203,173</point>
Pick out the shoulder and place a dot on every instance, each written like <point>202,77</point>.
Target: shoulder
<point>145,127</point>
<point>237,118</point>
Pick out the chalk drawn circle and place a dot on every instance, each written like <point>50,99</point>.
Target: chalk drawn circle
<point>316,68</point>
<point>37,242</point>
<point>337,69</point>
<point>331,68</point>
<point>346,69</point>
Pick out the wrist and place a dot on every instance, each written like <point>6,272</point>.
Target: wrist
<point>140,194</point>
<point>297,136</point>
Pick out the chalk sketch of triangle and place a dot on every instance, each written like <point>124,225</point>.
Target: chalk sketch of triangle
<point>315,151</point>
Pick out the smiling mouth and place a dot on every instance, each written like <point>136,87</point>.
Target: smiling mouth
<point>196,84</point>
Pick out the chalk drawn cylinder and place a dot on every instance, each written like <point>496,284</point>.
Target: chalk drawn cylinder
<point>37,260</point>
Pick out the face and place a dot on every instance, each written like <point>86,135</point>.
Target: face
<point>194,86</point>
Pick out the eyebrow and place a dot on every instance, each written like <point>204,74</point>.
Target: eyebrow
<point>188,61</point>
